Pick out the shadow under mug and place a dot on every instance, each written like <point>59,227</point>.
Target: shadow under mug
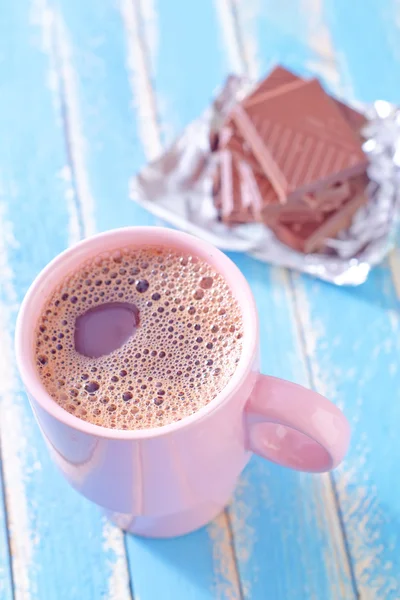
<point>171,480</point>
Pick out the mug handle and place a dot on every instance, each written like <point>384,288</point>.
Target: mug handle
<point>295,427</point>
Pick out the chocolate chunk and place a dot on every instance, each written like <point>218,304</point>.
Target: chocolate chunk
<point>310,237</point>
<point>257,192</point>
<point>233,209</point>
<point>254,199</point>
<point>291,214</point>
<point>232,140</point>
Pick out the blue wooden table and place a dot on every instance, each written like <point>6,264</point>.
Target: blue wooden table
<point>89,91</point>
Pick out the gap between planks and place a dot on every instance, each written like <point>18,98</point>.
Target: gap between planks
<point>6,379</point>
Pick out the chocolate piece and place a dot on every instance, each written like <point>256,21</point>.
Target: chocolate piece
<point>250,196</point>
<point>234,209</point>
<point>266,206</point>
<point>300,139</point>
<point>238,195</point>
<point>257,192</point>
<point>259,201</point>
<point>313,209</point>
<point>310,237</point>
<point>232,140</point>
<point>289,215</point>
<point>329,198</point>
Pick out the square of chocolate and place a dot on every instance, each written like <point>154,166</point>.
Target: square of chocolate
<point>300,138</point>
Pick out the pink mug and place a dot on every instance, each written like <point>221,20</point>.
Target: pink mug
<point>171,480</point>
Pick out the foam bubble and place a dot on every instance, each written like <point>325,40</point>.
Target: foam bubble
<point>181,355</point>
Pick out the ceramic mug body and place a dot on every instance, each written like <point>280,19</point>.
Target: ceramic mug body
<point>170,480</point>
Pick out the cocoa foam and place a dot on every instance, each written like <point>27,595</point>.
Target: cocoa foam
<point>183,352</point>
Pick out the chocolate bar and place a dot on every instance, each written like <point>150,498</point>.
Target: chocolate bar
<point>233,141</point>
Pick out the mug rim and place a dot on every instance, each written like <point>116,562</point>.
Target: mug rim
<point>113,239</point>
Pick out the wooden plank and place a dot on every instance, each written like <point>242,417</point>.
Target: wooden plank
<point>197,566</point>
<point>189,64</point>
<point>61,546</point>
<point>269,34</point>
<point>107,144</point>
<point>369,60</point>
<point>111,59</point>
<point>6,586</point>
<point>254,532</point>
<point>354,359</point>
<point>283,522</point>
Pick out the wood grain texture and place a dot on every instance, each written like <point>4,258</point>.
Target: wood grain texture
<point>357,366</point>
<point>61,546</point>
<point>198,566</point>
<point>287,533</point>
<point>190,62</point>
<point>115,69</point>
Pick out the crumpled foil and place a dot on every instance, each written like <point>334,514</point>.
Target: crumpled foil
<point>176,187</point>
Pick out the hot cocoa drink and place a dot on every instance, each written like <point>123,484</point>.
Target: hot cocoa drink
<point>138,338</point>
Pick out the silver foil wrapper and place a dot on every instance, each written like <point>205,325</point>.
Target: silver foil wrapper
<point>177,187</point>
